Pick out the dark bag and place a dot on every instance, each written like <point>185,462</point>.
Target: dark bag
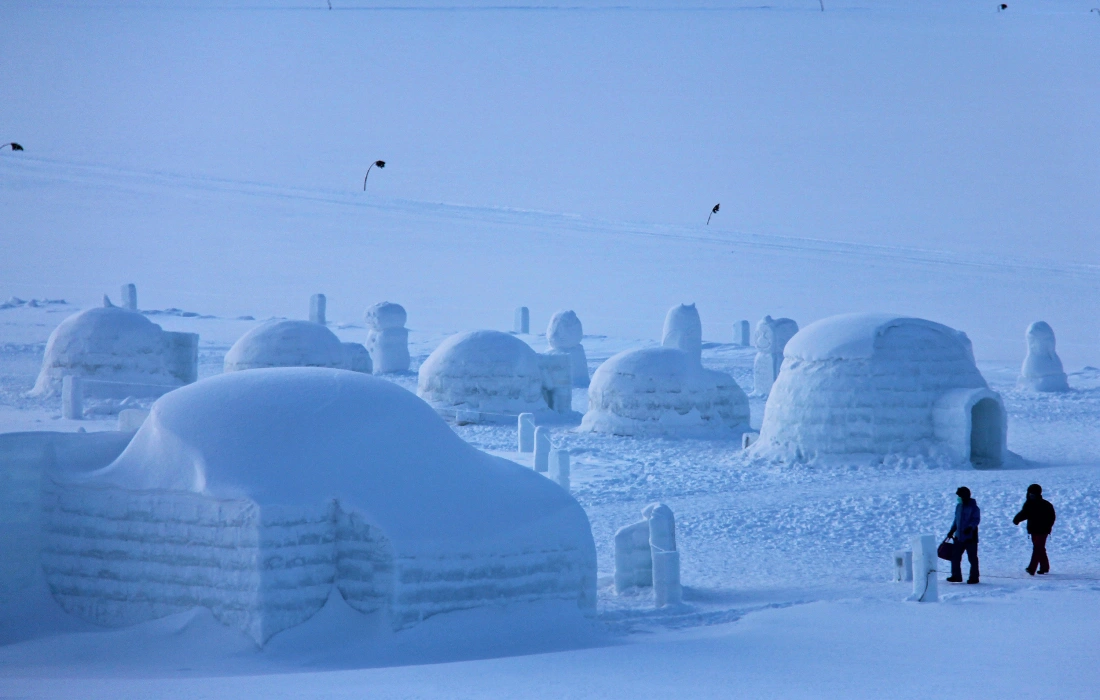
<point>946,550</point>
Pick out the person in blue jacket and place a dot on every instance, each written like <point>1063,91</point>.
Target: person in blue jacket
<point>965,532</point>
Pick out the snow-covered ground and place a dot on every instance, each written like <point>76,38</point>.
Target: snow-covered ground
<point>937,160</point>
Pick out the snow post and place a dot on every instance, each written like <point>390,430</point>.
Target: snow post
<point>317,308</point>
<point>666,560</point>
<point>903,565</point>
<point>72,397</point>
<point>526,432</point>
<point>559,467</point>
<point>924,569</point>
<point>743,334</point>
<point>523,320</point>
<point>542,449</point>
<point>129,297</point>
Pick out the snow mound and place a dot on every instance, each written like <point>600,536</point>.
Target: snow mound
<point>485,371</point>
<point>662,391</point>
<point>110,344</point>
<point>256,494</point>
<point>877,384</point>
<point>286,343</point>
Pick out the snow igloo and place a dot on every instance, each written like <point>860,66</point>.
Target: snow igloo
<point>116,345</point>
<point>873,384</point>
<point>260,494</point>
<point>489,376</point>
<point>291,343</point>
<point>666,391</point>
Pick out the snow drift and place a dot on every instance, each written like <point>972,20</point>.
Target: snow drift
<point>256,494</point>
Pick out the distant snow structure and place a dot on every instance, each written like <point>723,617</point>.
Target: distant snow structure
<point>522,321</point>
<point>116,345</point>
<point>666,391</point>
<point>357,358</point>
<point>646,555</point>
<point>770,338</point>
<point>492,377</point>
<point>317,304</point>
<point>227,500</point>
<point>742,335</point>
<point>1042,370</point>
<point>387,338</point>
<point>565,335</point>
<point>287,343</point>
<point>129,297</point>
<point>874,384</point>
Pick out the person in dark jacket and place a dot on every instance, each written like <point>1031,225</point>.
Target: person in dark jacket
<point>965,532</point>
<point>1039,514</point>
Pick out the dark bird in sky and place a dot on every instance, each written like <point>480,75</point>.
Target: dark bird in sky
<point>378,163</point>
<point>14,146</point>
<point>713,212</point>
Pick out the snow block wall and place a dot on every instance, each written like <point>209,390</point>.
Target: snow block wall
<point>25,461</point>
<point>878,384</point>
<point>286,344</point>
<point>666,390</point>
<point>227,501</point>
<point>117,345</point>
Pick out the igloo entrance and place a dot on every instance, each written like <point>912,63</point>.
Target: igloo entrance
<point>986,438</point>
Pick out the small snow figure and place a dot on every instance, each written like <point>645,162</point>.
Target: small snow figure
<point>684,331</point>
<point>564,335</point>
<point>713,212</point>
<point>387,337</point>
<point>770,338</point>
<point>375,164</point>
<point>964,530</point>
<point>1042,369</point>
<point>13,145</point>
<point>1040,516</point>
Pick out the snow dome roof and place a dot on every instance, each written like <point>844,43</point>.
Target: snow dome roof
<point>305,436</point>
<point>483,370</point>
<point>106,342</point>
<point>286,344</point>
<point>855,336</point>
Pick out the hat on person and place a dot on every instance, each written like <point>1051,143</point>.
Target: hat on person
<point>963,492</point>
<point>1035,489</point>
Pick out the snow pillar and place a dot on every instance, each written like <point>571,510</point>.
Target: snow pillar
<point>684,331</point>
<point>633,557</point>
<point>129,297</point>
<point>666,560</point>
<point>924,569</point>
<point>183,356</point>
<point>565,334</point>
<point>523,320</point>
<point>559,467</point>
<point>542,448</point>
<point>317,308</point>
<point>526,432</point>
<point>72,397</point>
<point>903,565</point>
<point>743,334</point>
